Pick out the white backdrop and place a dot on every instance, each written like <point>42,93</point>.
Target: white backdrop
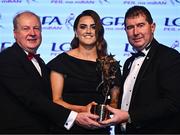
<point>57,17</point>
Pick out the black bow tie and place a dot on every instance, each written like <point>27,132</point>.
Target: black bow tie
<point>139,53</point>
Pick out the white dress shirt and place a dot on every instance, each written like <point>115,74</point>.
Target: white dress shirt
<point>130,81</point>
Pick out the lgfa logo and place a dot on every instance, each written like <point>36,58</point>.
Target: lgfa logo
<point>69,19</point>
<point>59,48</point>
<point>172,24</point>
<point>110,20</point>
<point>4,45</point>
<point>128,50</point>
<point>175,45</point>
<point>51,23</point>
<point>56,23</point>
<point>172,21</point>
<point>174,2</point>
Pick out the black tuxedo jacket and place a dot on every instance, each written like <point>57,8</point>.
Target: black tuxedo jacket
<point>155,102</point>
<point>25,96</point>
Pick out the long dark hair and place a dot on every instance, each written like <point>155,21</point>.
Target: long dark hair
<point>101,44</point>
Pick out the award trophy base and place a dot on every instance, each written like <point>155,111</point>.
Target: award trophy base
<point>101,111</point>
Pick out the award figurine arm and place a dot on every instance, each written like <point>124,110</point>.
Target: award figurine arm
<point>114,94</point>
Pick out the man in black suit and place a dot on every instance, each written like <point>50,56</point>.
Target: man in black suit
<point>151,89</point>
<point>25,91</point>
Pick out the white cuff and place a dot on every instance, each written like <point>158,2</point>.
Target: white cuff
<point>70,120</point>
<point>129,119</point>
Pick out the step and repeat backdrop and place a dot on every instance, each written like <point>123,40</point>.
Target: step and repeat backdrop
<point>57,18</point>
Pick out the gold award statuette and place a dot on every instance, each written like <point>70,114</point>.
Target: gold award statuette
<point>107,66</point>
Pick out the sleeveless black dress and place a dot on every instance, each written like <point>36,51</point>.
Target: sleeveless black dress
<point>80,82</point>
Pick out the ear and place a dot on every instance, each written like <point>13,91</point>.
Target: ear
<point>153,27</point>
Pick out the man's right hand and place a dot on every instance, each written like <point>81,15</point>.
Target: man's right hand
<point>119,116</point>
<point>87,120</point>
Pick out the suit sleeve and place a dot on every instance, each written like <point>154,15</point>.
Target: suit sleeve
<point>161,88</point>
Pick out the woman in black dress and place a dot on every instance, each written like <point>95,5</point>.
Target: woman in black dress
<point>74,75</point>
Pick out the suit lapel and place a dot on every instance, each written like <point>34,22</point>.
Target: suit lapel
<point>146,64</point>
<point>127,67</point>
<point>43,67</point>
<point>28,65</point>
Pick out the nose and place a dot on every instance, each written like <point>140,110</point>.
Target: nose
<point>136,32</point>
<point>32,31</point>
<point>88,30</point>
